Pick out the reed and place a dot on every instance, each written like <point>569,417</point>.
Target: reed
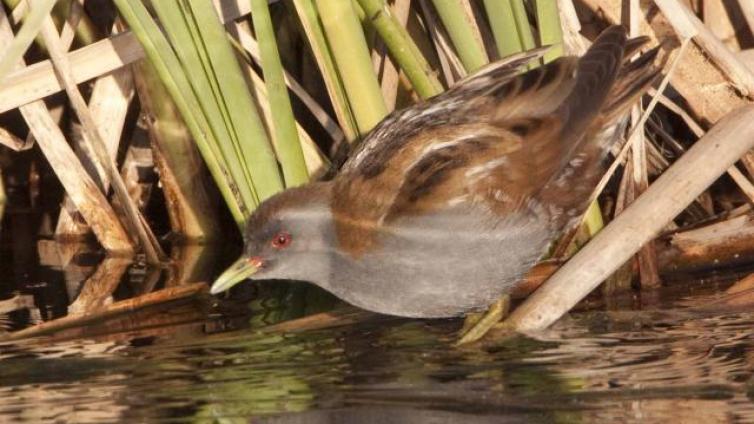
<point>402,48</point>
<point>460,27</point>
<point>31,27</point>
<point>522,25</point>
<point>550,29</point>
<point>310,22</point>
<point>503,25</point>
<point>285,135</point>
<point>349,48</point>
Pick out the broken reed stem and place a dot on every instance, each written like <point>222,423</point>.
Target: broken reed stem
<point>673,191</point>
<point>82,190</point>
<point>152,251</point>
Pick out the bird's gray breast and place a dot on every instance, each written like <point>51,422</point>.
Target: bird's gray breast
<point>442,264</point>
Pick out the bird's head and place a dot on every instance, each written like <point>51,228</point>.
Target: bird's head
<point>285,238</point>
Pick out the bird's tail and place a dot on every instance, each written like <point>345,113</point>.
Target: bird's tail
<point>587,162</point>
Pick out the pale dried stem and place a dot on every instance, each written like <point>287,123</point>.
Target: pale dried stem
<point>38,81</point>
<point>737,72</point>
<point>639,223</point>
<point>78,184</point>
<point>743,183</point>
<point>96,143</point>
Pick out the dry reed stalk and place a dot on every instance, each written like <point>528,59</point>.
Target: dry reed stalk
<point>707,90</point>
<point>747,10</point>
<point>17,302</point>
<point>723,24</point>
<point>573,41</point>
<point>12,142</point>
<point>640,222</point>
<point>38,81</point>
<point>109,102</point>
<point>743,183</point>
<point>621,156</point>
<point>95,142</point>
<point>741,76</point>
<point>83,191</point>
<point>646,258</point>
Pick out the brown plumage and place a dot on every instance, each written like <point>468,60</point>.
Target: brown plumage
<point>447,203</point>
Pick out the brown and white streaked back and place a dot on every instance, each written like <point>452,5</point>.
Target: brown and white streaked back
<point>498,140</point>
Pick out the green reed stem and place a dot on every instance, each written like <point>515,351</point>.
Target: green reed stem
<point>550,30</point>
<point>402,48</point>
<point>522,25</point>
<point>504,28</point>
<point>461,31</point>
<point>171,73</point>
<point>307,14</point>
<point>288,145</point>
<point>346,38</point>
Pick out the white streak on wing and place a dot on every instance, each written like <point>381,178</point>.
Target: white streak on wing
<point>457,200</point>
<point>474,173</point>
<point>500,196</point>
<point>577,160</point>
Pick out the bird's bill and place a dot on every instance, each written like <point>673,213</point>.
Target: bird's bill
<point>239,271</point>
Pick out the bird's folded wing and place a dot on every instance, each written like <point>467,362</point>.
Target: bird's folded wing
<point>497,139</point>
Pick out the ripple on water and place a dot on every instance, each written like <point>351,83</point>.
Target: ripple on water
<point>673,362</point>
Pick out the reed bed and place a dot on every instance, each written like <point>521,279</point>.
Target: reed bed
<point>236,100</point>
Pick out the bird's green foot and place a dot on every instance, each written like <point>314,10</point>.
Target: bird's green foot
<point>477,325</point>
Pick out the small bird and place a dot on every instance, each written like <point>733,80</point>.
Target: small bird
<point>448,203</point>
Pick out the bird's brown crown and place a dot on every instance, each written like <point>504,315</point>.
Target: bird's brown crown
<point>297,198</point>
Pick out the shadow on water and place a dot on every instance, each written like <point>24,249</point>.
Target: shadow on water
<point>676,356</point>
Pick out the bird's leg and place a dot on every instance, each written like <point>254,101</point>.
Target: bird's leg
<point>477,325</point>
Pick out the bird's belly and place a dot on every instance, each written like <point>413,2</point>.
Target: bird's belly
<point>443,267</point>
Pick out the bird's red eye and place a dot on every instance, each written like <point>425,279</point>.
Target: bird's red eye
<point>281,240</point>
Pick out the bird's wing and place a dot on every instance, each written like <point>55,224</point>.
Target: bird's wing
<point>497,138</point>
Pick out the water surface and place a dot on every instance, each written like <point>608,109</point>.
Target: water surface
<point>675,355</point>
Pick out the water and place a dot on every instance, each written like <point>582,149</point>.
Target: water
<point>679,354</point>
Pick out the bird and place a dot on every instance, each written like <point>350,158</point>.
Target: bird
<point>446,204</point>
